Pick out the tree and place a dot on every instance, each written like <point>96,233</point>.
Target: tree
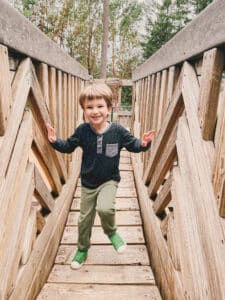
<point>167,19</point>
<point>105,35</point>
<point>170,18</point>
<point>199,5</point>
<point>78,29</point>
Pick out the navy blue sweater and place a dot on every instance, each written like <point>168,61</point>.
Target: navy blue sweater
<point>101,151</point>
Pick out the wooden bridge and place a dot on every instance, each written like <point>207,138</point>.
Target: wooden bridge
<point>171,200</point>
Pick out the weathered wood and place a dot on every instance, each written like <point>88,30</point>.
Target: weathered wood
<point>218,160</point>
<point>102,275</point>
<point>65,95</point>
<point>172,242</point>
<point>106,255</point>
<point>95,291</point>
<point>162,98</point>
<point>40,113</point>
<point>165,162</point>
<point>60,103</point>
<point>166,276</point>
<point>115,81</point>
<point>171,84</point>
<point>20,90</point>
<point>212,68</point>
<point>164,226</point>
<point>40,222</point>
<point>21,206</point>
<point>44,150</point>
<point>30,236</point>
<point>163,197</point>
<point>5,89</point>
<point>45,198</point>
<point>174,110</point>
<point>156,102</point>
<point>42,256</point>
<point>205,237</point>
<point>132,235</point>
<point>52,97</point>
<point>188,240</point>
<point>181,47</point>
<point>10,191</point>
<point>42,76</point>
<point>212,235</point>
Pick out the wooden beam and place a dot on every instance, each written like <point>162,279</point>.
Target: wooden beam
<point>41,114</point>
<point>10,191</point>
<point>193,211</point>
<point>174,110</point>
<point>21,208</point>
<point>172,242</point>
<point>218,168</point>
<point>163,197</point>
<point>52,97</point>
<point>114,81</point>
<point>42,76</point>
<point>213,63</point>
<point>164,163</point>
<point>5,89</point>
<point>45,198</point>
<point>166,276</point>
<point>188,241</point>
<point>30,236</point>
<point>43,254</point>
<point>45,152</point>
<point>20,90</point>
<point>211,234</point>
<point>40,221</point>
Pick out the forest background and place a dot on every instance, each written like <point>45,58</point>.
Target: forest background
<point>136,29</point>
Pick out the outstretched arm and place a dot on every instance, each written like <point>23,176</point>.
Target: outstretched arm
<point>147,137</point>
<point>51,133</point>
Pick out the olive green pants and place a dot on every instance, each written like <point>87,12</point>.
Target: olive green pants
<point>102,200</point>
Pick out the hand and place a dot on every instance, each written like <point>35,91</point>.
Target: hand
<point>51,133</point>
<point>147,137</point>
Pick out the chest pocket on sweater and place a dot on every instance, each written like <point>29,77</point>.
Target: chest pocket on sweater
<point>111,150</point>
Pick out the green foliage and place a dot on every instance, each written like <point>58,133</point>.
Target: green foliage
<point>126,96</point>
<point>76,26</point>
<point>168,18</point>
<point>199,5</point>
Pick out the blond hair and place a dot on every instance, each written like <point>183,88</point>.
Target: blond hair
<point>96,91</point>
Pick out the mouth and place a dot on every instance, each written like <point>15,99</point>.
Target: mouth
<point>95,118</point>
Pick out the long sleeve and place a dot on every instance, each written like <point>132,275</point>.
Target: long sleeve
<point>131,143</point>
<point>68,145</point>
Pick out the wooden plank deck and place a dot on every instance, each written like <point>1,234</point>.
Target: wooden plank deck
<point>106,274</point>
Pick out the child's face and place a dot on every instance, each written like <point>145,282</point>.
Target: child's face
<point>96,111</point>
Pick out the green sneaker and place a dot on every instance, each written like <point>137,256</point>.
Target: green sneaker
<point>118,243</point>
<point>79,259</point>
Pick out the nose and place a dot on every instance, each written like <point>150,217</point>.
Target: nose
<point>95,110</point>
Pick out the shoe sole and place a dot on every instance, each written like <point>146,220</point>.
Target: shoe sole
<point>122,249</point>
<point>76,266</point>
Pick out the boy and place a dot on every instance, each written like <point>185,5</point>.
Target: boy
<point>101,142</point>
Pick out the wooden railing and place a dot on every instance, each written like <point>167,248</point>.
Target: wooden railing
<point>39,83</point>
<point>122,115</point>
<point>180,93</point>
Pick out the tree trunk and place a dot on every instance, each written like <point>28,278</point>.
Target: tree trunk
<point>105,34</point>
